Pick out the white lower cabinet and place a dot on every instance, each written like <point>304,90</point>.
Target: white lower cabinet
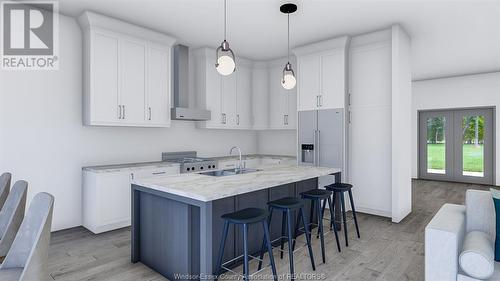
<point>107,196</point>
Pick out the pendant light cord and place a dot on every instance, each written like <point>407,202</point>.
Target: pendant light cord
<point>225,20</point>
<point>288,37</point>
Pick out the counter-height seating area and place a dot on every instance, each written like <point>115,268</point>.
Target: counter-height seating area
<point>291,210</point>
<point>24,238</point>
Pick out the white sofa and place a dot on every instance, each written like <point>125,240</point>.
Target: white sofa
<point>445,234</point>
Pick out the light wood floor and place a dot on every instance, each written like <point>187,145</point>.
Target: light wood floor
<point>386,251</point>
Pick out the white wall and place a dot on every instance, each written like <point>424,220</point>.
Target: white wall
<point>279,142</point>
<point>42,139</point>
<point>401,117</point>
<point>457,92</point>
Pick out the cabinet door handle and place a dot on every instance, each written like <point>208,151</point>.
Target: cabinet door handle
<point>132,176</point>
<point>237,119</point>
<point>320,97</point>
<point>159,173</point>
<point>123,106</point>
<point>317,101</point>
<point>119,111</point>
<point>149,113</point>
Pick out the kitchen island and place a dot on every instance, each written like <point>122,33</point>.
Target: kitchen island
<point>176,224</point>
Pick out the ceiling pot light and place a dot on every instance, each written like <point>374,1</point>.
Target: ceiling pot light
<point>225,60</point>
<point>288,80</point>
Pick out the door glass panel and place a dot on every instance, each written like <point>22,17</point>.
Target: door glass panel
<point>436,144</point>
<point>473,146</point>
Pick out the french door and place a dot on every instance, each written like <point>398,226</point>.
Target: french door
<point>456,145</point>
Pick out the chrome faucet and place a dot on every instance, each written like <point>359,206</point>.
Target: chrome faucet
<point>240,166</point>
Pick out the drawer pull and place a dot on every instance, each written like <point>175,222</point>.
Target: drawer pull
<point>159,173</point>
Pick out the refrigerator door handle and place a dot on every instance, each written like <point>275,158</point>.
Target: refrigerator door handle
<point>319,151</point>
<point>315,148</point>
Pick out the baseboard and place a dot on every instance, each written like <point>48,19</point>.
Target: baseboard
<point>370,211</point>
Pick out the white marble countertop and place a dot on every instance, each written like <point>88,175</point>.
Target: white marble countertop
<point>254,156</point>
<point>112,168</point>
<point>159,164</point>
<point>208,188</point>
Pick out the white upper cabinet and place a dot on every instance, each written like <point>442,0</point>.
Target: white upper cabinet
<point>104,63</point>
<point>208,88</point>
<point>126,73</point>
<point>244,97</point>
<point>321,76</point>
<point>260,96</point>
<point>158,103</point>
<point>277,99</point>
<point>133,82</point>
<point>282,102</point>
<point>228,100</point>
<point>308,81</point>
<point>251,98</point>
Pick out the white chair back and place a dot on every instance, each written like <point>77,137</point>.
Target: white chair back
<point>11,215</point>
<point>5,179</point>
<point>29,251</point>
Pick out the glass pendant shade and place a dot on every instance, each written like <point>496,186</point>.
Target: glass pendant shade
<point>288,81</point>
<point>225,64</point>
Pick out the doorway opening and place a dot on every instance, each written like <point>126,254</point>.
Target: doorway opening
<point>456,145</point>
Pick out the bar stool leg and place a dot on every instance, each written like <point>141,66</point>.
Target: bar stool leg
<point>296,231</point>
<point>354,212</point>
<point>322,215</point>
<point>290,242</point>
<point>270,250</point>
<point>332,222</point>
<point>283,229</point>
<point>320,225</point>
<point>221,250</point>
<point>308,237</point>
<point>344,218</point>
<point>245,252</point>
<point>263,249</point>
<point>311,213</point>
<point>332,217</point>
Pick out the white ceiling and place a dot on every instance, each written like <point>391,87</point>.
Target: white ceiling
<point>448,37</point>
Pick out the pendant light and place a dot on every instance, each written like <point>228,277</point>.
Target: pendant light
<point>288,80</point>
<point>225,61</point>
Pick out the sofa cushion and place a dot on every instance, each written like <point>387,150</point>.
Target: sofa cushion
<point>496,202</point>
<point>477,256</point>
<point>462,276</point>
<point>480,212</point>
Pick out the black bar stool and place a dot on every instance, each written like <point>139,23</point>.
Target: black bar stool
<point>338,189</point>
<point>316,196</point>
<point>245,217</point>
<point>286,206</point>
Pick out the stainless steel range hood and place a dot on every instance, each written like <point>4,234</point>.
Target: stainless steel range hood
<point>181,109</point>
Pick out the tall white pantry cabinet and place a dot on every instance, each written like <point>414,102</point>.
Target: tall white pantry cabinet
<point>372,81</point>
<point>127,74</point>
<point>380,118</point>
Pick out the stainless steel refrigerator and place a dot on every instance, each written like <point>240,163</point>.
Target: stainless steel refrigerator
<point>321,139</point>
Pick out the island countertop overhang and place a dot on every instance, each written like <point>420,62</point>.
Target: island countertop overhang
<point>208,188</point>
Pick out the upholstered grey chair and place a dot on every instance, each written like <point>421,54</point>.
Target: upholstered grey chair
<point>27,258</point>
<point>11,216</point>
<point>5,179</point>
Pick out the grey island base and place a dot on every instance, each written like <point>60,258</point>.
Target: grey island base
<point>176,220</point>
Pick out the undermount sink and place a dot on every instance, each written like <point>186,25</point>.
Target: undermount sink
<point>229,172</point>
